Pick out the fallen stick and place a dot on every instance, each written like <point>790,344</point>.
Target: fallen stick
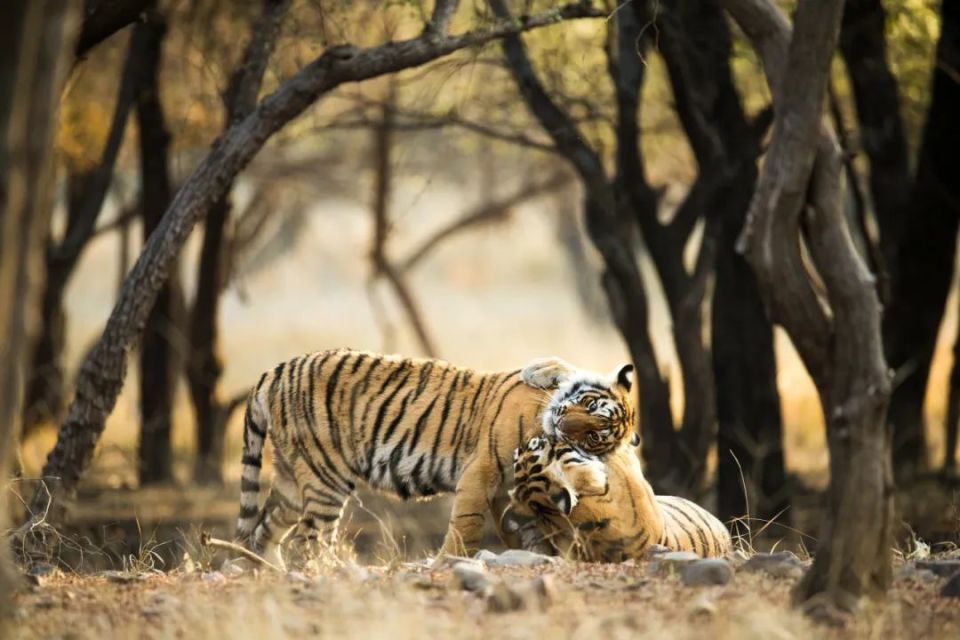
<point>206,540</point>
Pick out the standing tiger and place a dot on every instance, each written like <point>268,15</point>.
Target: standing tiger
<point>410,427</point>
<point>569,501</point>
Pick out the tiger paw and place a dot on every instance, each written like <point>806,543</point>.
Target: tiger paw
<point>546,373</point>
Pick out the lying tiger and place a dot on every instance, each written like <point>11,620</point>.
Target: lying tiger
<point>569,502</point>
<point>410,427</point>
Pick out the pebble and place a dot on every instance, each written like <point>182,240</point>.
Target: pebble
<point>213,577</point>
<point>952,587</point>
<point>704,573</point>
<point>469,577</point>
<point>943,568</point>
<point>671,561</point>
<point>656,550</point>
<point>783,564</point>
<point>911,572</point>
<point>120,577</point>
<point>515,558</point>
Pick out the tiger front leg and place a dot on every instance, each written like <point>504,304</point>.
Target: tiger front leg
<point>547,373</point>
<point>470,506</point>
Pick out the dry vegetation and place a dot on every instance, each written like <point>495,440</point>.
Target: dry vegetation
<point>409,601</point>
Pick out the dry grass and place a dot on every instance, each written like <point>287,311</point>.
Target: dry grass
<point>586,600</point>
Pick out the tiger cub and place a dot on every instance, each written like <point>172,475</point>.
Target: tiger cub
<point>570,502</point>
<point>409,427</point>
<point>582,411</point>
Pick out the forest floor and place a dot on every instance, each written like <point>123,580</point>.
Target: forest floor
<point>409,600</point>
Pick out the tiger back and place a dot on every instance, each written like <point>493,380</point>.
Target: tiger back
<point>615,518</point>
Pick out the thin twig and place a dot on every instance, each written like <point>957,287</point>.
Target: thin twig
<point>206,540</point>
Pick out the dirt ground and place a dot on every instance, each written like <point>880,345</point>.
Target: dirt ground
<point>407,600</point>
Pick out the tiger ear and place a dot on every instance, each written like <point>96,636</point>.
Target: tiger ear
<point>624,377</point>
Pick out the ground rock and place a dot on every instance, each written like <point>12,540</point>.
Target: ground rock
<point>672,561</point>
<point>952,587</point>
<point>783,564</point>
<point>942,568</point>
<point>470,577</point>
<point>708,572</point>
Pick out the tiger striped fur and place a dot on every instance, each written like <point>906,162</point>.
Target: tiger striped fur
<point>601,510</point>
<point>411,427</point>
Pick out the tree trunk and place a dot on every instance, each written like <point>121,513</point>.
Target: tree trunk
<point>604,211</point>
<point>798,199</point>
<point>158,349</point>
<point>87,192</point>
<point>926,253</point>
<point>36,39</point>
<point>751,479</point>
<point>102,373</point>
<point>696,46</point>
<point>864,48</point>
<point>205,365</point>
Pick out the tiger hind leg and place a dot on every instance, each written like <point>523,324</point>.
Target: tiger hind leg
<point>280,513</point>
<point>318,526</point>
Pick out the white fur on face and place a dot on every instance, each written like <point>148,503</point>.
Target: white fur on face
<point>564,396</point>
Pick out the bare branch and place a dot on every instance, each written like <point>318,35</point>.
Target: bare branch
<point>103,18</point>
<point>206,540</point>
<point>486,212</point>
<point>240,97</point>
<point>443,11</point>
<point>82,221</point>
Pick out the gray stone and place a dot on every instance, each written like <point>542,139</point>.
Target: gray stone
<point>519,558</point>
<point>485,555</point>
<point>783,564</point>
<point>120,577</point>
<point>705,573</point>
<point>213,576</point>
<point>672,561</point>
<point>952,587</point>
<point>469,577</point>
<point>656,550</point>
<point>911,572</point>
<point>943,568</point>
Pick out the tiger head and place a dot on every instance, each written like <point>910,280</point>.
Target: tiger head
<point>593,412</point>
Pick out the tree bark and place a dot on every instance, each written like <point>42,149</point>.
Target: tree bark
<point>158,349</point>
<point>864,47</point>
<point>103,18</point>
<point>926,253</point>
<point>798,199</point>
<point>205,364</point>
<point>36,38</point>
<point>606,226</point>
<point>87,193</point>
<point>696,45</point>
<point>103,370</point>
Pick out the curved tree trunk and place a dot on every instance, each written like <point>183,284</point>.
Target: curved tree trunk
<point>798,199</point>
<point>36,38</point>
